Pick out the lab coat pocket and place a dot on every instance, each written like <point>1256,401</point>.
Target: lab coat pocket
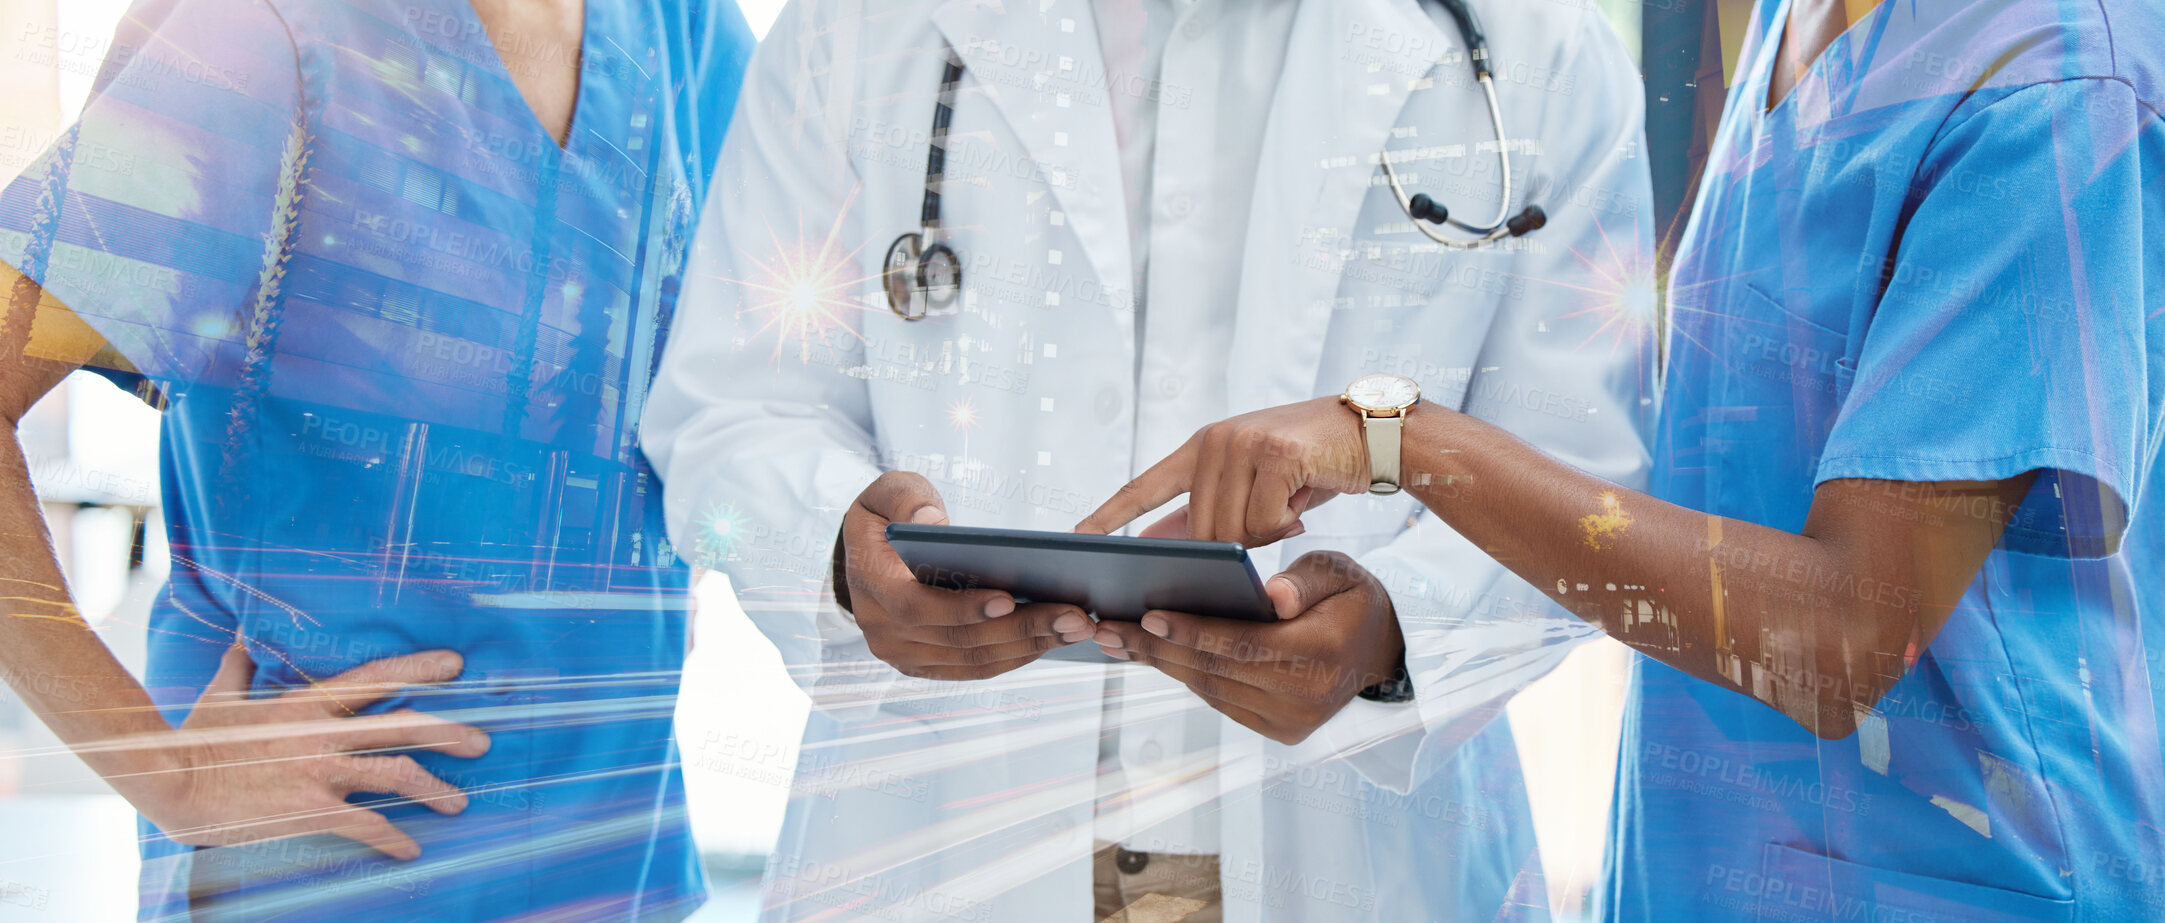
<point>1796,883</point>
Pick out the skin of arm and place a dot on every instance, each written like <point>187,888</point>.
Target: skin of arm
<point>241,768</point>
<point>50,656</point>
<point>1818,623</point>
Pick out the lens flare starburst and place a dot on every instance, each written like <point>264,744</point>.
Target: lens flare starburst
<point>804,292</point>
<point>1622,297</point>
<point>962,415</point>
<point>719,531</point>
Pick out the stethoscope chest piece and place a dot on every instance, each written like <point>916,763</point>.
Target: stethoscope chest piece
<point>921,273</point>
<point>918,278</point>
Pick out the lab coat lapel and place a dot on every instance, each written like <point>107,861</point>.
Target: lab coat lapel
<point>1349,70</point>
<point>1037,63</point>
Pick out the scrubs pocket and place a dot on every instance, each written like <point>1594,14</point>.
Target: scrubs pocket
<point>1771,406</point>
<point>1806,885</point>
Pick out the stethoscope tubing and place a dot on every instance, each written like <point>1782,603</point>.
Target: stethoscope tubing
<point>1483,234</point>
<point>943,114</point>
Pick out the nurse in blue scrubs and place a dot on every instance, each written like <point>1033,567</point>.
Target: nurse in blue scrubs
<point>1900,584</point>
<point>1934,257</point>
<point>402,332</point>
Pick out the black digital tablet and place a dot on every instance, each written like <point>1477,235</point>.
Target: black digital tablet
<point>1109,576</point>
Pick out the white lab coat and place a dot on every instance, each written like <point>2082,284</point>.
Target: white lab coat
<point>787,387</point>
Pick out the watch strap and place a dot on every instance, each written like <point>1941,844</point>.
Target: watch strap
<point>1398,688</point>
<point>1384,434</point>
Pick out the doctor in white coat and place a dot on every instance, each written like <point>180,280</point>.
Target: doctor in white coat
<point>1167,212</point>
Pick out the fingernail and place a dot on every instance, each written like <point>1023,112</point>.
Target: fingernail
<point>928,516</point>
<point>1070,624</point>
<point>1114,652</point>
<point>1156,624</point>
<point>999,606</point>
<point>1106,637</point>
<point>477,740</point>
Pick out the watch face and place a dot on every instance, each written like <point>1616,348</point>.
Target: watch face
<point>1383,392</point>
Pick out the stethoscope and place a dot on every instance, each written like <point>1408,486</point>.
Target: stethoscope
<point>923,273</point>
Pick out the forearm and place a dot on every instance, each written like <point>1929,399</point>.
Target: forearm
<point>1814,625</point>
<point>50,656</point>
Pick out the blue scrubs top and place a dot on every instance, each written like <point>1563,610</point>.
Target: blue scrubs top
<point>1942,257</point>
<point>403,340</point>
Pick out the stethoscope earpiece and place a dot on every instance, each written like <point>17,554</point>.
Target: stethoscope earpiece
<point>1531,219</point>
<point>1423,208</point>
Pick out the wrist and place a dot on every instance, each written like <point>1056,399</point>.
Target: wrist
<point>1363,468</point>
<point>1391,654</point>
<point>1386,679</point>
<point>1392,682</point>
<point>156,773</point>
<point>1427,465</point>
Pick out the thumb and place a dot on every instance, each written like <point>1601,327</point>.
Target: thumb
<point>1317,576</point>
<point>236,672</point>
<point>905,496</point>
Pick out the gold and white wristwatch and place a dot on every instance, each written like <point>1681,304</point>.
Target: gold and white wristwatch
<point>1382,400</point>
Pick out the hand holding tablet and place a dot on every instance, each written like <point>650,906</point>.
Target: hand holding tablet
<point>1280,657</point>
<point>930,632</point>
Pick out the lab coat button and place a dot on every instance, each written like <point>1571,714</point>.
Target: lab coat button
<point>1180,206</point>
<point>1151,752</point>
<point>1108,407</point>
<point>1194,28</point>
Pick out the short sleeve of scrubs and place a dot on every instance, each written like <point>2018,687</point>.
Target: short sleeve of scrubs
<point>2011,336</point>
<point>149,218</point>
